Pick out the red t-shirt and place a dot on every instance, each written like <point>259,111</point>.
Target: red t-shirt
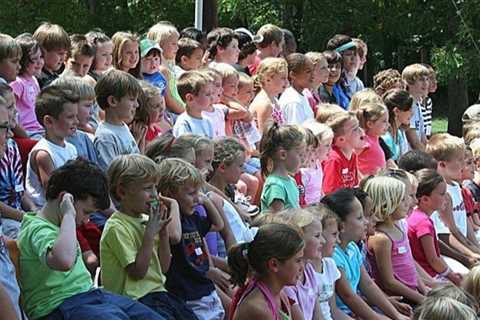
<point>153,131</point>
<point>468,201</point>
<point>339,172</point>
<point>301,189</point>
<point>420,225</point>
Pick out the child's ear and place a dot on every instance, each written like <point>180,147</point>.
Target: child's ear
<point>120,191</point>
<point>273,265</point>
<point>441,164</point>
<point>183,60</point>
<point>189,97</point>
<point>369,124</point>
<point>112,101</point>
<point>48,120</point>
<point>282,154</point>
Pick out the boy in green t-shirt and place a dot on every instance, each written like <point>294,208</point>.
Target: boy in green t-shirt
<point>54,280</point>
<point>135,247</point>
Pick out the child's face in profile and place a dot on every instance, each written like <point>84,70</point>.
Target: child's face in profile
<point>203,161</point>
<point>330,234</point>
<point>353,134</point>
<point>278,82</point>
<point>84,109</point>
<point>125,107</point>
<point>335,71</point>
<point>246,93</point>
<point>420,87</point>
<point>9,68</point>
<point>355,224</point>
<point>187,196</point>
<point>136,198</point>
<point>371,219</point>
<point>203,99</point>
<point>67,121</point>
<point>194,61</point>
<point>453,167</point>
<point>350,61</point>
<point>79,65</point>
<point>233,171</point>
<point>103,56</point>
<point>323,149</point>
<point>157,108</point>
<point>83,209</point>
<point>34,68</point>
<point>230,87</point>
<point>170,47</point>
<point>468,171</point>
<point>54,59</point>
<point>303,79</point>
<point>130,55</point>
<point>11,109</point>
<point>151,63</point>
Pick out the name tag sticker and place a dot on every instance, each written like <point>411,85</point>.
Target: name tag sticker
<point>19,188</point>
<point>198,251</point>
<point>402,250</point>
<point>344,170</point>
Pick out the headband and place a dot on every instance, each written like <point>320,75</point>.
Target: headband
<point>345,46</point>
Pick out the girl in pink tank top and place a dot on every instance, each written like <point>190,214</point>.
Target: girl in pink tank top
<point>260,269</point>
<point>389,253</point>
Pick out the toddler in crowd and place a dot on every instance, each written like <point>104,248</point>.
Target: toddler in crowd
<point>151,60</point>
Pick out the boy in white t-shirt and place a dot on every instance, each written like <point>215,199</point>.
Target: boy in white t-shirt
<point>216,112</point>
<point>195,90</point>
<point>452,225</point>
<point>57,111</point>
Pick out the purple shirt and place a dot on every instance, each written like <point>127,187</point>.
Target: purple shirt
<point>305,294</point>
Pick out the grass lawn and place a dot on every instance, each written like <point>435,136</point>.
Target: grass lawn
<point>439,125</point>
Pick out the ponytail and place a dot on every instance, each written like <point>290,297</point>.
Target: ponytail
<point>272,241</point>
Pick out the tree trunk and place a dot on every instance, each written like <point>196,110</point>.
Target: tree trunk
<point>210,18</point>
<point>457,103</point>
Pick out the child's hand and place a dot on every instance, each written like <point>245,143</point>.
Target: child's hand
<point>159,218</point>
<point>220,278</point>
<point>401,307</point>
<point>447,205</point>
<point>66,204</point>
<point>455,277</point>
<point>139,130</point>
<point>169,202</point>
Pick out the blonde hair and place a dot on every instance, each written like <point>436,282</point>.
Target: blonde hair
<point>244,80</point>
<point>327,110</point>
<point>77,85</point>
<point>51,37</point>
<point>475,146</point>
<point>119,39</point>
<point>360,45</point>
<point>321,131</point>
<point>161,32</point>
<point>192,82</point>
<point>166,146</point>
<point>298,218</point>
<point>129,169</point>
<point>471,283</point>
<point>9,48</point>
<point>197,142</point>
<point>175,173</point>
<point>387,194</point>
<point>118,84</point>
<point>444,146</point>
<point>315,57</point>
<point>337,122</point>
<point>371,111</point>
<point>322,213</point>
<point>443,308</point>
<point>226,71</point>
<point>471,132</point>
<point>269,67</point>
<point>413,72</point>
<point>363,97</point>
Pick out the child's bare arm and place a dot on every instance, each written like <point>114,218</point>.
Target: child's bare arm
<point>174,228</point>
<point>8,311</point>
<point>172,104</point>
<point>44,166</point>
<point>413,140</point>
<point>433,260</point>
<point>238,112</point>
<point>337,314</point>
<point>276,205</point>
<point>64,250</point>
<point>213,215</point>
<point>382,248</point>
<point>226,232</point>
<point>11,213</point>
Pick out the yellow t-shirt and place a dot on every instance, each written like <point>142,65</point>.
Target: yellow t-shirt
<point>121,240</point>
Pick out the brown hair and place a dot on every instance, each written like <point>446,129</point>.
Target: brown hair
<point>428,180</point>
<point>52,37</point>
<point>51,102</point>
<point>118,84</point>
<point>272,241</point>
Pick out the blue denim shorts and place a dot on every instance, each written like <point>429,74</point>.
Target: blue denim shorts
<point>100,304</point>
<point>168,306</point>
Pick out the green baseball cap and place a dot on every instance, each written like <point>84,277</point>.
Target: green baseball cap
<point>147,45</point>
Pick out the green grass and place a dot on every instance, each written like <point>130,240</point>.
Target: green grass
<point>439,125</point>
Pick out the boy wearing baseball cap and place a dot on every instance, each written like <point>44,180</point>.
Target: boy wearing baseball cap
<point>151,60</point>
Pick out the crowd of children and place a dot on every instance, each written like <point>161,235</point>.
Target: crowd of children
<point>185,175</point>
